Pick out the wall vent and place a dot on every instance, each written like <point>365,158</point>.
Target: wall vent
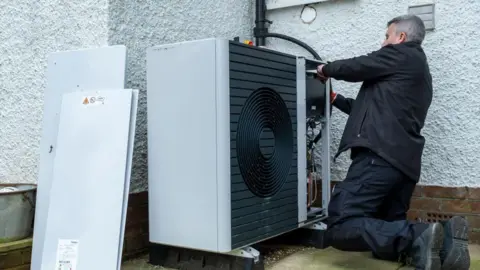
<point>437,217</point>
<point>426,12</point>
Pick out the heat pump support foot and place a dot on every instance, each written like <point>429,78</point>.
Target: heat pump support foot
<point>187,259</point>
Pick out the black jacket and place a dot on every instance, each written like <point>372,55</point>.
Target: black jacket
<point>389,112</point>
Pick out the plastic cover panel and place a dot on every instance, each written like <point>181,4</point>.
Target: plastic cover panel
<point>90,180</point>
<point>69,71</point>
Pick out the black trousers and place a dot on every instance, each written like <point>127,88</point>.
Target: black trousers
<point>367,211</point>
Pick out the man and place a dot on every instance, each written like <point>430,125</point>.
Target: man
<point>368,209</point>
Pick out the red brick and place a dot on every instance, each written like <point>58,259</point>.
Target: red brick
<point>133,232</point>
<point>456,206</point>
<point>474,237</point>
<point>137,214</point>
<point>474,193</point>
<point>475,205</point>
<point>473,222</point>
<point>445,192</point>
<point>426,204</point>
<point>136,244</point>
<point>418,192</point>
<point>139,198</point>
<point>414,215</point>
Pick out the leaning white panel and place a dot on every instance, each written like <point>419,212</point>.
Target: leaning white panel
<point>69,71</point>
<point>128,173</point>
<point>86,206</point>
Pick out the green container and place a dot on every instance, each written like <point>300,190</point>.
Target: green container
<point>17,210</point>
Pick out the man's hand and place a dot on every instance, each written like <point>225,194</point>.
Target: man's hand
<point>323,78</point>
<point>320,74</point>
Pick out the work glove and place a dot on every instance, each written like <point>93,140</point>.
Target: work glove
<point>323,78</point>
<point>333,95</point>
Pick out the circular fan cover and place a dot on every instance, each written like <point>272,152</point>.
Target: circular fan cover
<point>264,142</point>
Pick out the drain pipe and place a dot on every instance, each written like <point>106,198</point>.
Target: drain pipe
<point>260,31</point>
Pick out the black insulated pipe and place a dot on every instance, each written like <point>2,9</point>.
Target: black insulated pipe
<point>296,41</point>
<point>260,20</point>
<point>260,31</point>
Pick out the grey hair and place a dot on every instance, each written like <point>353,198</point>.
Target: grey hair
<point>412,25</point>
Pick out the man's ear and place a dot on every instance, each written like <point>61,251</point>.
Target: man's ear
<point>403,37</point>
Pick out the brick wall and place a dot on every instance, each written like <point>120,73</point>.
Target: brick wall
<point>17,255</point>
<point>434,203</point>
<point>136,228</point>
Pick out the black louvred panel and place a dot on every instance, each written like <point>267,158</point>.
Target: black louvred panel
<point>263,123</point>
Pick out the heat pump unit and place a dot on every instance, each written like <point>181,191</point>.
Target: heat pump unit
<point>227,146</point>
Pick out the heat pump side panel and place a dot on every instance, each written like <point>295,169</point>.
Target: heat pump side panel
<point>88,187</point>
<point>301,140</point>
<point>223,146</point>
<point>69,71</point>
<point>182,141</point>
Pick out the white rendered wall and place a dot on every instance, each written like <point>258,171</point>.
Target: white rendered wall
<point>142,24</point>
<point>30,30</point>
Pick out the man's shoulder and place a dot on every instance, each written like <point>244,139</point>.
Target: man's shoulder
<point>412,55</point>
<point>392,52</point>
<point>411,49</point>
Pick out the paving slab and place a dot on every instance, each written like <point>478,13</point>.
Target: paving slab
<point>294,258</point>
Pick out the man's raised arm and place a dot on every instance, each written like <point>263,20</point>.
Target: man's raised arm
<point>342,103</point>
<point>363,68</point>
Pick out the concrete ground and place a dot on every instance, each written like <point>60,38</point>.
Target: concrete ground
<point>310,259</point>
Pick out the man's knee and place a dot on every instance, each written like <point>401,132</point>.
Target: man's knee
<point>346,238</point>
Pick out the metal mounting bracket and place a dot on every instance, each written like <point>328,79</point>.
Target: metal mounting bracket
<point>317,226</point>
<point>247,252</point>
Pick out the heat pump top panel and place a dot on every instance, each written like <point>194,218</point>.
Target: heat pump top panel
<point>223,167</point>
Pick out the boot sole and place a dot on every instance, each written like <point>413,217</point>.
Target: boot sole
<point>458,257</point>
<point>436,245</point>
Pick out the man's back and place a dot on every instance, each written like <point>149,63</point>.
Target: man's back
<point>390,109</point>
<point>368,209</point>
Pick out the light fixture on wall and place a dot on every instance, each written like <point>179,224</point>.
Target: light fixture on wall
<point>308,14</point>
<point>277,4</point>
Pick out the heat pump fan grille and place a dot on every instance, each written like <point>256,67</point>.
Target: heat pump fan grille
<point>264,142</point>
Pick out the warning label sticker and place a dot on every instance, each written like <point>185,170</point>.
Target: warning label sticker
<point>67,254</point>
<point>93,100</point>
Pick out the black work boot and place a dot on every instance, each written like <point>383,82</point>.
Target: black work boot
<point>425,252</point>
<point>455,254</point>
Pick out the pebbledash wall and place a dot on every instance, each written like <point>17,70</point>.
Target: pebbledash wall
<point>33,29</point>
<point>350,28</point>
